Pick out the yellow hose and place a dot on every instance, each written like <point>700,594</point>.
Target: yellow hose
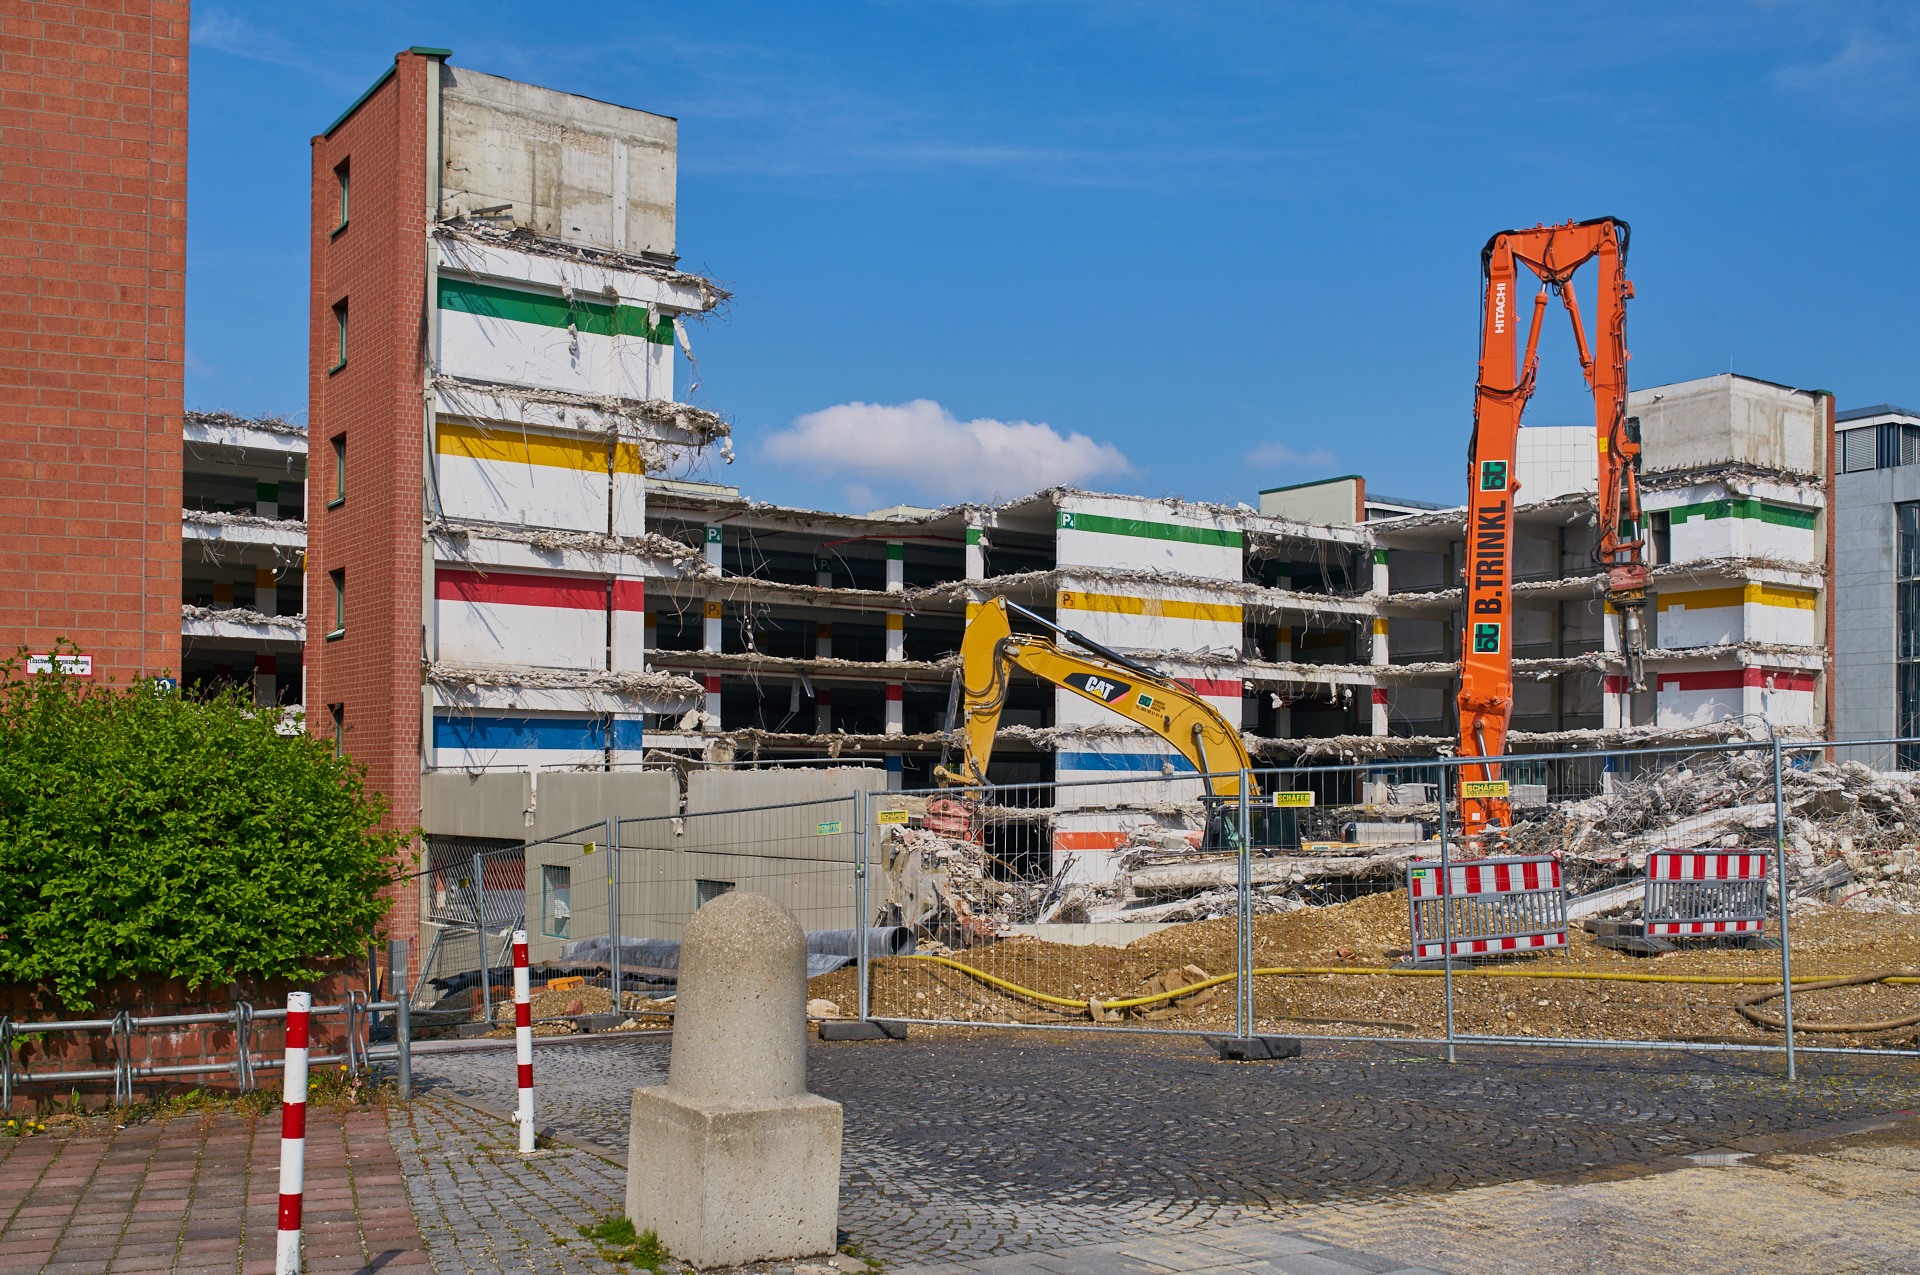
<point>1396,971</point>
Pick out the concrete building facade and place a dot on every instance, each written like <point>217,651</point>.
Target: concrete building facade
<point>1876,645</point>
<point>93,154</point>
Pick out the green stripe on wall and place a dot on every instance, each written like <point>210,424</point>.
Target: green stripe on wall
<point>1748,507</point>
<point>515,306</point>
<point>1150,530</point>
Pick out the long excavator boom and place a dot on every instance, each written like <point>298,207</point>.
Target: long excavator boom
<point>991,650</point>
<point>1552,254</point>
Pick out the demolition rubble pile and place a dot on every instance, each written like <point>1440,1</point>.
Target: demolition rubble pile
<point>943,880</point>
<point>1850,831</point>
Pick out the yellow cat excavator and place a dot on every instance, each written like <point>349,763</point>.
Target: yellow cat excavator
<point>991,650</point>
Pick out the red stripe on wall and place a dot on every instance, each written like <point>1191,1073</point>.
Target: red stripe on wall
<point>629,595</point>
<point>1088,840</point>
<point>1225,688</point>
<point>1736,678</point>
<point>509,589</point>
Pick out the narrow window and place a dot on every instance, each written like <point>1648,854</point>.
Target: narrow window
<point>338,714</point>
<point>705,892</point>
<point>340,175</point>
<point>556,900</point>
<point>339,629</point>
<point>340,326</point>
<point>339,470</point>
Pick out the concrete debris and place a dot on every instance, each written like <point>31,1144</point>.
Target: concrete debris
<point>227,420</point>
<point>480,231</point>
<point>209,518</point>
<point>457,677</point>
<point>1844,823</point>
<point>294,624</point>
<point>462,396</point>
<point>755,662</point>
<point>1257,600</point>
<point>684,557</point>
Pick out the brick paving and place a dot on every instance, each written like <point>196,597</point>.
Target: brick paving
<point>200,1193</point>
<point>1000,1145</point>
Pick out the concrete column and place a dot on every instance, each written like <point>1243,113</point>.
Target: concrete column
<point>266,499</point>
<point>823,641</point>
<point>896,772</point>
<point>1379,654</point>
<point>650,632</point>
<point>1379,589</point>
<point>896,637</point>
<point>896,566</point>
<point>896,708</point>
<point>713,548</point>
<point>976,561</point>
<point>1283,654</point>
<point>713,701</point>
<point>823,573</point>
<point>265,585</point>
<point>710,629</point>
<point>265,684</point>
<point>1614,690</point>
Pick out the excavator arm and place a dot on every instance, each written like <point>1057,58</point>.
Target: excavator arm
<point>991,650</point>
<point>1552,254</point>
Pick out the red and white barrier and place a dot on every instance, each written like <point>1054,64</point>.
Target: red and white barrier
<point>1705,892</point>
<point>523,1038</point>
<point>293,1135</point>
<point>1497,905</point>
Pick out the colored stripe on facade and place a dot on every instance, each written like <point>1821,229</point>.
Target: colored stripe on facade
<point>520,447</point>
<point>1141,528</point>
<point>1736,678</point>
<point>1746,507</point>
<point>569,734</point>
<point>515,305</point>
<point>1766,595</point>
<point>1215,687</point>
<point>1131,763</point>
<point>1161,608</point>
<point>507,588</point>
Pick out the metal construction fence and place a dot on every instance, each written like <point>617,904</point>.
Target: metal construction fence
<point>1665,897</point>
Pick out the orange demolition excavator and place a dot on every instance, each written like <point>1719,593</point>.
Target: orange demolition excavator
<point>1552,254</point>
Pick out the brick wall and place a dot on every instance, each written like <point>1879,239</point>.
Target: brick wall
<point>51,1053</point>
<point>377,265</point>
<point>93,184</point>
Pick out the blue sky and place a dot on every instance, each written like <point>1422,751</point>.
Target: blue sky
<point>1175,248</point>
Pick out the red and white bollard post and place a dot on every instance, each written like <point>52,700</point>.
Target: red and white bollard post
<point>293,1134</point>
<point>523,1038</point>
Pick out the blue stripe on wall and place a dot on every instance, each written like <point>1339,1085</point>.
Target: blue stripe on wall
<point>1140,763</point>
<point>560,734</point>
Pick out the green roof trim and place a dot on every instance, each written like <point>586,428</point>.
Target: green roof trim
<point>380,83</point>
<point>1070,520</point>
<point>1318,482</point>
<point>1745,507</point>
<point>550,310</point>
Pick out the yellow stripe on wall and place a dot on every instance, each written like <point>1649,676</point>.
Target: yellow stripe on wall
<point>1766,595</point>
<point>510,446</point>
<point>1159,607</point>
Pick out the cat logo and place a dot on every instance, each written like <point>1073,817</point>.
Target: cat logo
<point>1104,689</point>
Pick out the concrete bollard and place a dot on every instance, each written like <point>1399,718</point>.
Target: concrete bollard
<point>732,1160</point>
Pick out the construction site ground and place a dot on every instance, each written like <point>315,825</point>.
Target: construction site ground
<point>979,1148</point>
<point>1509,997</point>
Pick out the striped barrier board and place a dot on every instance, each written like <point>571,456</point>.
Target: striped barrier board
<point>1704,892</point>
<point>1497,906</point>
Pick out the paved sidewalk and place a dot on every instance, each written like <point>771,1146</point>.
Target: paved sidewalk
<point>998,1146</point>
<point>200,1193</point>
<point>487,1210</point>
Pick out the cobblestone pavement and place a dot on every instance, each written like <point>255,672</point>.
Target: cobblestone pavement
<point>999,1144</point>
<point>485,1209</point>
<point>200,1193</point>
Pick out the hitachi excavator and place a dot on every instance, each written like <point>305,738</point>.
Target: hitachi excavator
<point>991,650</point>
<point>1552,254</point>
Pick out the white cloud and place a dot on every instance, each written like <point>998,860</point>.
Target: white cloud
<point>920,448</point>
<point>1269,455</point>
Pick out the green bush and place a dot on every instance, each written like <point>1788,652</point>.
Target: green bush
<point>147,833</point>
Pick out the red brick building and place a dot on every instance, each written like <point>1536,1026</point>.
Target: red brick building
<point>365,430</point>
<point>93,187</point>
